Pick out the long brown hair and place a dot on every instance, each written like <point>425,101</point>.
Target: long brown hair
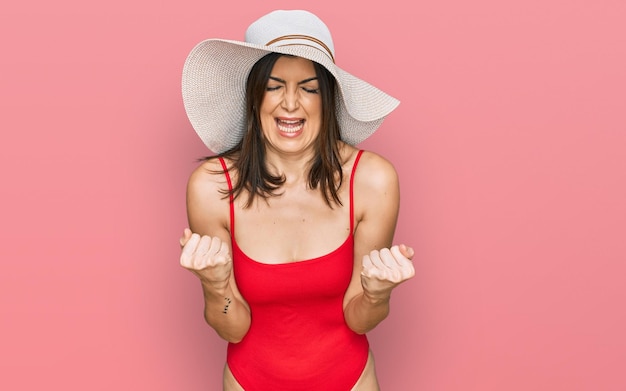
<point>248,156</point>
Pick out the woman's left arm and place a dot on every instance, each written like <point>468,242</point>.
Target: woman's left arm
<point>378,266</point>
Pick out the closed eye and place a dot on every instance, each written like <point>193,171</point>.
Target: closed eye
<point>311,90</point>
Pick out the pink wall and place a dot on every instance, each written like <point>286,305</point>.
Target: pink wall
<point>509,141</point>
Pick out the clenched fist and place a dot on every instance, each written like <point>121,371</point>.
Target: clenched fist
<point>207,257</point>
<point>385,269</point>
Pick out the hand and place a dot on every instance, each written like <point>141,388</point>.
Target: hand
<point>385,269</point>
<point>207,257</point>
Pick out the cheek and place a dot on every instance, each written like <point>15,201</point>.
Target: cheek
<point>271,99</point>
<point>313,105</point>
<point>267,122</point>
<point>266,111</point>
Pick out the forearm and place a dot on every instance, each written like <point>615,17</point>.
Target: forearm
<point>229,316</point>
<point>364,312</point>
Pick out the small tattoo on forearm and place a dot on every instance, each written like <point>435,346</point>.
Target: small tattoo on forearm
<point>228,301</point>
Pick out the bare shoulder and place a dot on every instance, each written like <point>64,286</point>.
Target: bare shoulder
<point>207,179</point>
<point>376,193</point>
<point>376,203</point>
<point>207,200</point>
<point>375,174</point>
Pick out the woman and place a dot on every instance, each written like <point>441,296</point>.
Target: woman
<point>290,226</point>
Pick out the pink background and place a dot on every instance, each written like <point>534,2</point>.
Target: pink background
<point>509,141</point>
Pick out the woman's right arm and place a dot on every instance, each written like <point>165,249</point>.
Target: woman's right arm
<point>207,253</point>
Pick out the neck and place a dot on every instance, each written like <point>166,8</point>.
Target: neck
<point>295,168</point>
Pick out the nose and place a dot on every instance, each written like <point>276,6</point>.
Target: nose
<point>290,99</point>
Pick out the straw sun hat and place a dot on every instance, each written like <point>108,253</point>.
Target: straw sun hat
<point>215,73</point>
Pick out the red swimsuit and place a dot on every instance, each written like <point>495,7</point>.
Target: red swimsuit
<point>298,338</point>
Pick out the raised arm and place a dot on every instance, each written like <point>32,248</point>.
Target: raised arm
<point>378,267</point>
<point>206,252</point>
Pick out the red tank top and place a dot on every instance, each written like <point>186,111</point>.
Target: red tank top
<point>298,338</point>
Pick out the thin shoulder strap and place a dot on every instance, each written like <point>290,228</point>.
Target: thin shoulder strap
<point>230,194</point>
<point>356,161</point>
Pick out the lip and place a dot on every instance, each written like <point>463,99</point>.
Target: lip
<point>290,127</point>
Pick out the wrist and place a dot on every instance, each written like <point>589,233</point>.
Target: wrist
<point>376,299</point>
<point>215,289</point>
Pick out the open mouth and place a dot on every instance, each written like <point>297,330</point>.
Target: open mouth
<point>289,126</point>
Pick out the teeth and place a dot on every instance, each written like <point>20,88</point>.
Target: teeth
<point>290,126</point>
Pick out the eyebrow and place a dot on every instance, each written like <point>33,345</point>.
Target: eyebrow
<point>300,82</point>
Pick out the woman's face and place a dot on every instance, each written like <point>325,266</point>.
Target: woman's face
<point>291,110</point>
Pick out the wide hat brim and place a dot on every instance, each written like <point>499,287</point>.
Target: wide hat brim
<point>214,84</point>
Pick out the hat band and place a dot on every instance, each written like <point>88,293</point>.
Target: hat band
<point>302,37</point>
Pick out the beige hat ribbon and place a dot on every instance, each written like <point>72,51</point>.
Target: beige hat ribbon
<point>302,37</point>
